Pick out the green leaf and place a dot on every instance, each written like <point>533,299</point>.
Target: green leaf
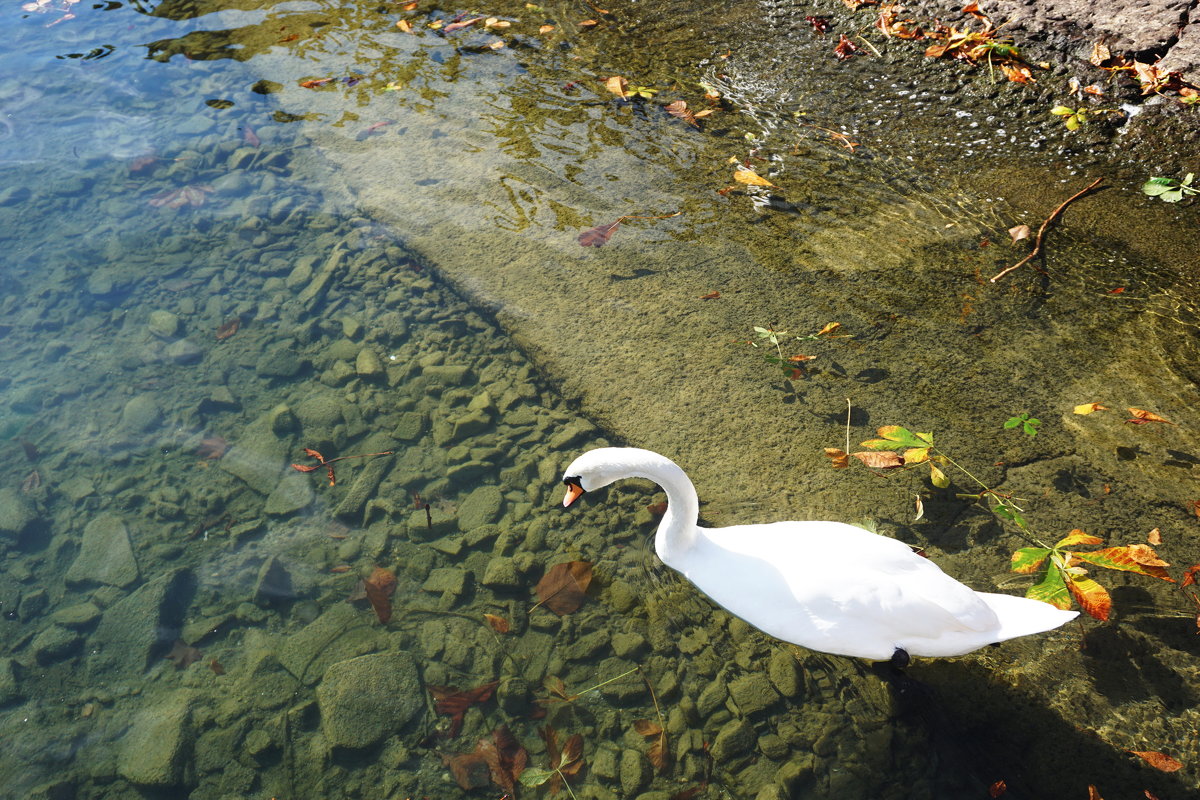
<point>1173,196</point>
<point>1028,559</point>
<point>1121,558</point>
<point>1073,122</point>
<point>536,776</point>
<point>1012,422</point>
<point>1187,180</point>
<point>938,478</point>
<point>1062,111</point>
<point>1052,589</point>
<point>896,437</point>
<point>1156,186</point>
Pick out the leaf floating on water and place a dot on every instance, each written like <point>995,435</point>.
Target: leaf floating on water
<point>880,459</point>
<point>616,84</point>
<point>1159,761</point>
<point>710,296</point>
<point>466,23</point>
<point>839,457</point>
<point>1019,232</point>
<point>1091,596</point>
<point>1189,576</point>
<point>454,703</point>
<point>599,235</point>
<point>314,83</point>
<point>379,589</point>
<point>564,586</point>
<point>1088,408</point>
<point>499,624</point>
<point>751,178</point>
<point>996,789</point>
<point>829,328</point>
<point>404,25</point>
<point>679,109</point>
<point>1142,416</point>
<point>1094,793</point>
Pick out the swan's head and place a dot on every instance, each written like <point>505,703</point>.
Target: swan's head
<point>596,469</point>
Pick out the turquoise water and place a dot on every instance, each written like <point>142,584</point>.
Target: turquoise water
<point>232,234</point>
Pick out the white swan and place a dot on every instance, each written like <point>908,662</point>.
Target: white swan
<point>827,586</point>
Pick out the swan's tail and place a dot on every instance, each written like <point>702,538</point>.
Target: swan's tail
<point>1020,616</point>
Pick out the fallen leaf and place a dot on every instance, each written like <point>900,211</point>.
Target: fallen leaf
<point>689,793</point>
<point>183,655</point>
<point>1189,576</point>
<point>379,589</point>
<point>658,754</point>
<point>1118,290</point>
<point>564,586</point>
<point>505,757</point>
<point>499,624</point>
<point>1094,793</point>
<point>1154,537</point>
<point>819,24</point>
<point>313,83</point>
<point>410,6</point>
<point>1091,596</point>
<point>998,788</point>
<point>800,359</point>
<point>840,458</point>
<point>469,770</point>
<point>404,25</point>
<point>829,328</point>
<point>229,327</point>
<point>880,459</point>
<point>588,23</point>
<point>1017,73</point>
<point>599,235</point>
<point>141,162</point>
<point>454,703</point>
<point>1143,554</point>
<point>496,45</point>
<point>340,569</point>
<point>32,481</point>
<point>1087,408</point>
<point>291,37</point>
<point>920,507</point>
<point>458,26</point>
<point>710,296</point>
<point>646,727</point>
<point>545,29</point>
<point>1159,761</point>
<point>1149,795</point>
<point>750,177</point>
<point>845,49</point>
<point>617,85</point>
<point>679,110</point>
<point>212,447</point>
<point>216,667</point>
<point>1100,54</point>
<point>1141,416</point>
<point>493,22</point>
<point>1019,232</point>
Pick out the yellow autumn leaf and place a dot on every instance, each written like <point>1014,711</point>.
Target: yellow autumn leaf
<point>616,84</point>
<point>1087,408</point>
<point>404,25</point>
<point>829,328</point>
<point>1142,415</point>
<point>937,477</point>
<point>915,455</point>
<point>750,177</point>
<point>545,29</point>
<point>840,458</point>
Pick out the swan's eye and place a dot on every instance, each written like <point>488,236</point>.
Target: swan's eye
<point>571,481</point>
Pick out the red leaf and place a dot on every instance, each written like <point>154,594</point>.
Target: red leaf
<point>313,453</point>
<point>470,770</point>
<point>819,24</point>
<point>216,667</point>
<point>599,235</point>
<point>305,467</point>
<point>710,296</point>
<point>845,48</point>
<point>679,110</point>
<point>998,788</point>
<point>182,654</point>
<point>499,624</point>
<point>466,23</point>
<point>1189,575</point>
<point>454,703</point>
<point>229,327</point>
<point>564,586</point>
<point>1159,761</point>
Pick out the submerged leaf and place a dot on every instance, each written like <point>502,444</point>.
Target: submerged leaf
<point>1052,589</point>
<point>1078,537</point>
<point>1028,559</point>
<point>1091,597</point>
<point>564,586</point>
<point>679,109</point>
<point>839,457</point>
<point>750,177</point>
<point>1159,761</point>
<point>454,703</point>
<point>1088,408</point>
<point>1019,232</point>
<point>880,459</point>
<point>599,235</point>
<point>499,624</point>
<point>1140,415</point>
<point>379,589</point>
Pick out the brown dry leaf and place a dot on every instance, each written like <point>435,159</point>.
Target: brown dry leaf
<point>1141,415</point>
<point>599,235</point>
<point>880,459</point>
<point>998,788</point>
<point>845,49</point>
<point>493,22</point>
<point>499,624</point>
<point>545,29</point>
<point>751,178</point>
<point>588,23</point>
<point>1143,554</point>
<point>658,754</point>
<point>572,755</point>
<point>920,508</point>
<point>211,447</point>
<point>1094,793</point>
<point>216,667</point>
<point>829,328</point>
<point>183,654</point>
<point>410,6</point>
<point>646,727</point>
<point>1088,408</point>
<point>1017,73</point>
<point>1154,537</point>
<point>379,588</point>
<point>1159,761</point>
<point>470,770</point>
<point>710,296</point>
<point>32,481</point>
<point>1019,232</point>
<point>564,586</point>
<point>505,756</point>
<point>466,23</point>
<point>679,110</point>
<point>496,45</point>
<point>404,25</point>
<point>229,327</point>
<point>1100,54</point>
<point>616,84</point>
<point>800,359</point>
<point>1189,576</point>
<point>840,458</point>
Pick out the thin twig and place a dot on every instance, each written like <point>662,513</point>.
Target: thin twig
<point>1037,242</point>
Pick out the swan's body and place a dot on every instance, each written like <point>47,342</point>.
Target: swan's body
<point>827,586</point>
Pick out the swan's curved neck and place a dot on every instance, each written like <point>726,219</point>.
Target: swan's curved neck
<point>677,530</point>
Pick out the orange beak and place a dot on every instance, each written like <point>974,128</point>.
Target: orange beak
<point>574,492</point>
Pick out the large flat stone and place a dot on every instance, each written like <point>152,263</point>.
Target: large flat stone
<point>106,556</point>
<point>367,699</point>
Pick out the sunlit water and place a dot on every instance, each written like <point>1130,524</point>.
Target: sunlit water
<point>233,234</point>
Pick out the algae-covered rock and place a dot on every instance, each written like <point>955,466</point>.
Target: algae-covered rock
<point>163,324</point>
<point>106,555</point>
<point>635,772</point>
<point>16,513</point>
<point>366,699</point>
<point>140,414</point>
<point>784,673</point>
<point>54,644</point>
<point>293,492</point>
<point>340,633</point>
<point>480,507</point>
<point>158,745</point>
<point>752,693</point>
<point>735,738</point>
<point>10,688</point>
<point>367,364</point>
<point>138,629</point>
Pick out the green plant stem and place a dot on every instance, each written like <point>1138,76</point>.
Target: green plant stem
<point>606,683</point>
<point>987,489</point>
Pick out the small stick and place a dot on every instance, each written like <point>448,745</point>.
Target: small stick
<point>1037,242</point>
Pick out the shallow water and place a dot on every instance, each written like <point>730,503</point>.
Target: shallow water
<point>397,245</point>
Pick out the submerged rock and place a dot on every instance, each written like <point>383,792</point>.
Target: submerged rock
<point>163,324</point>
<point>16,513</point>
<point>137,629</point>
<point>159,743</point>
<point>141,414</point>
<point>366,699</point>
<point>106,555</point>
